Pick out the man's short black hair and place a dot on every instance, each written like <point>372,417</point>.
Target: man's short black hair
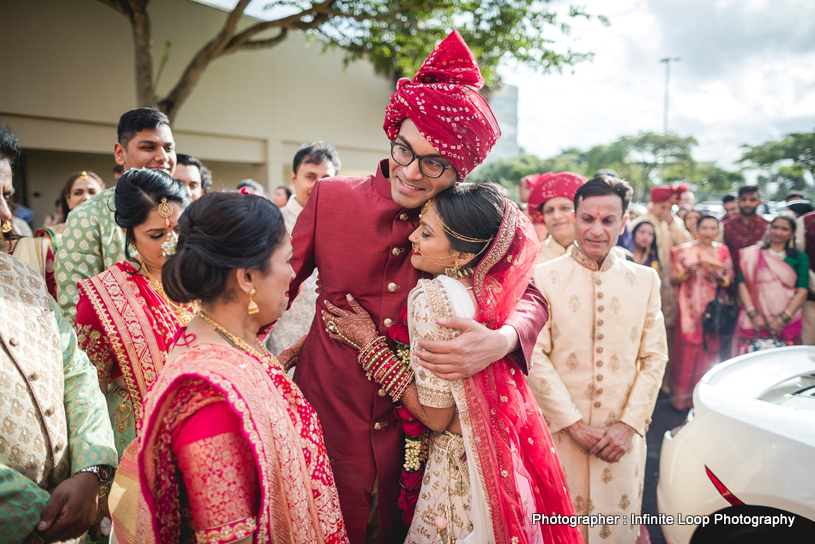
<point>206,175</point>
<point>9,144</point>
<point>728,198</point>
<point>133,121</point>
<point>316,153</point>
<point>252,184</point>
<point>748,189</point>
<point>603,185</point>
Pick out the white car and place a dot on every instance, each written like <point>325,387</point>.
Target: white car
<point>744,462</point>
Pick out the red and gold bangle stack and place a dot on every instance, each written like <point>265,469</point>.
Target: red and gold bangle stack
<point>385,368</point>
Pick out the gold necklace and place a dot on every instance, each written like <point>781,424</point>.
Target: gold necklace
<point>240,343</point>
<point>183,313</point>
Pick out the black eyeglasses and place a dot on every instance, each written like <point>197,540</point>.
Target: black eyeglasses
<point>432,168</point>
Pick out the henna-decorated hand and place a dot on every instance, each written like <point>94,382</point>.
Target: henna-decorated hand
<point>355,329</point>
<point>288,357</point>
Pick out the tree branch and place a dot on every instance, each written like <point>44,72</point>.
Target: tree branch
<point>258,44</point>
<point>122,6</point>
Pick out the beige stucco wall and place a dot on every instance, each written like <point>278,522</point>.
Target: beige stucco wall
<point>68,75</point>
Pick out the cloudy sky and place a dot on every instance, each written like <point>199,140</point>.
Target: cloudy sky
<point>746,75</point>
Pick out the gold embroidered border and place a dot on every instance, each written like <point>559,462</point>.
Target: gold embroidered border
<point>499,248</point>
<point>227,533</point>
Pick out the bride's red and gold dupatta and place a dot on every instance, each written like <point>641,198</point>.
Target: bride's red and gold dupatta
<point>295,499</point>
<point>511,440</point>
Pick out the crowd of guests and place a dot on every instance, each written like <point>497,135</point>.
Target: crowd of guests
<point>401,357</point>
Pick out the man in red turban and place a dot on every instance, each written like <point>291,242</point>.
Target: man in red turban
<point>669,231</point>
<point>551,202</point>
<point>355,231</point>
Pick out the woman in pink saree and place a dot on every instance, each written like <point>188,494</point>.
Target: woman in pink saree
<point>230,450</point>
<point>698,270</point>
<point>773,285</point>
<point>491,462</point>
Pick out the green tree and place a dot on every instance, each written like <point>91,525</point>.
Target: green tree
<point>660,157</point>
<point>796,148</point>
<point>394,35</point>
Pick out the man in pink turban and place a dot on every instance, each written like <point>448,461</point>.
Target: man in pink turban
<point>552,203</point>
<point>355,230</point>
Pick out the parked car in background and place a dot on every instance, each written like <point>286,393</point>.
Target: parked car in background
<point>747,449</point>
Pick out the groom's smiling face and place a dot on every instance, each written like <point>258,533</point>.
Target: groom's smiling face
<point>410,188</point>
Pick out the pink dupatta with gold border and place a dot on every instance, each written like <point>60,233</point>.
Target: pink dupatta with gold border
<point>298,502</point>
<point>771,283</point>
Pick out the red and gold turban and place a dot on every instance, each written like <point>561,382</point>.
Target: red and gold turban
<point>548,186</point>
<point>661,193</point>
<point>443,103</point>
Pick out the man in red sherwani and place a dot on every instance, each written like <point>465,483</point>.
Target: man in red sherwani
<point>747,228</point>
<point>355,230</point>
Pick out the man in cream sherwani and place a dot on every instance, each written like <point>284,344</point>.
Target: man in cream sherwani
<point>598,364</point>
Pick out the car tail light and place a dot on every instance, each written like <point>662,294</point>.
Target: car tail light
<point>723,491</point>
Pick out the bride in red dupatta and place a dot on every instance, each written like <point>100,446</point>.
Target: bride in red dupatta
<point>507,468</point>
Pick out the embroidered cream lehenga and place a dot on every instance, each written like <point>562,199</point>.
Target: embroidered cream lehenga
<point>488,481</point>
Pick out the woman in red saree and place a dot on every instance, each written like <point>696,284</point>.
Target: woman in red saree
<point>698,270</point>
<point>773,285</point>
<point>491,461</point>
<point>124,320</point>
<point>230,450</point>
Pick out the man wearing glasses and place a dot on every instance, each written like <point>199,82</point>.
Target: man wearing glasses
<point>355,230</point>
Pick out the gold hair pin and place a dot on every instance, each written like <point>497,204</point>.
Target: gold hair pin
<point>165,210</point>
<point>84,175</point>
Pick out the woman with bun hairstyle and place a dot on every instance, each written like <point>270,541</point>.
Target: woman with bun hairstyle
<point>81,186</point>
<point>229,449</point>
<point>124,320</point>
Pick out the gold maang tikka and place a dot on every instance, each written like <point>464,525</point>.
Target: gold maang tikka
<point>165,210</point>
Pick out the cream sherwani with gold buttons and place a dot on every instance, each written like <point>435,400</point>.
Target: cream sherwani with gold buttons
<point>53,418</point>
<point>600,360</point>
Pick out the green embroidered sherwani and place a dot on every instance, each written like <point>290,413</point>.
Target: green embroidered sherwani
<point>53,418</point>
<point>91,243</point>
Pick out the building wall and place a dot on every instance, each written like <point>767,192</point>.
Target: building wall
<point>70,75</point>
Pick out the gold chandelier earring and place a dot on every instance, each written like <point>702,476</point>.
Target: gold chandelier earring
<point>253,307</point>
<point>7,226</point>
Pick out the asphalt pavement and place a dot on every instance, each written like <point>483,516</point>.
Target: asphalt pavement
<point>664,419</point>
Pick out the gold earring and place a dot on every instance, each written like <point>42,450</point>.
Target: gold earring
<point>452,272</point>
<point>7,226</point>
<point>253,307</point>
